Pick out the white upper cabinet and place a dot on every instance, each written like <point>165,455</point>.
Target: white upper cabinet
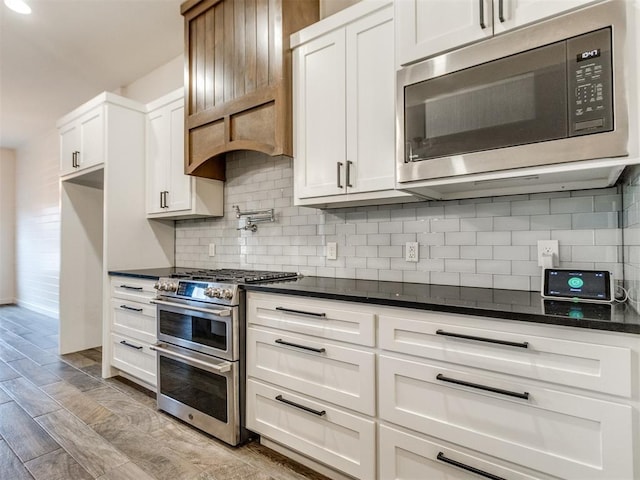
<point>428,27</point>
<point>82,141</point>
<point>344,108</point>
<point>171,193</point>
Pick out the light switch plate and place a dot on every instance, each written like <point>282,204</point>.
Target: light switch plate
<point>212,249</point>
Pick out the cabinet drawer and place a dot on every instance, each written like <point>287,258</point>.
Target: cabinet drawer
<point>405,456</point>
<point>338,374</point>
<point>320,318</point>
<point>134,319</point>
<point>342,440</point>
<point>561,434</point>
<point>133,289</point>
<point>590,366</point>
<point>134,357</point>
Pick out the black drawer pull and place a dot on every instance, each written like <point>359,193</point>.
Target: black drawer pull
<point>304,347</point>
<point>469,468</point>
<point>127,344</point>
<point>483,339</point>
<point>127,307</point>
<point>319,413</point>
<point>442,378</point>
<point>301,312</point>
<point>128,287</point>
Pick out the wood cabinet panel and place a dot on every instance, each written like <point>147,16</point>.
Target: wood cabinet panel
<point>236,49</point>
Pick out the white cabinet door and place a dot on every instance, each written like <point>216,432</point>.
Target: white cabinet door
<point>404,456</point>
<point>516,13</point>
<point>560,434</point>
<point>69,145</point>
<point>320,104</point>
<point>82,142</point>
<point>92,137</point>
<point>168,188</point>
<point>370,103</point>
<point>427,27</point>
<point>338,374</point>
<point>342,440</point>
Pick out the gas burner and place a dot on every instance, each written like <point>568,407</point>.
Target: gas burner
<point>234,276</point>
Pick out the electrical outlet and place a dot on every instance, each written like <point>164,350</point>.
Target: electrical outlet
<point>411,252</point>
<point>332,251</point>
<point>548,248</point>
<point>212,249</point>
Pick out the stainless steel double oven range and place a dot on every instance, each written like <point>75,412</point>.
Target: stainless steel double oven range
<point>201,348</point>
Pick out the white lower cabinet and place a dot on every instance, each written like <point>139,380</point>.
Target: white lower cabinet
<point>561,434</point>
<point>411,456</point>
<point>450,396</point>
<point>340,439</point>
<point>134,357</point>
<point>132,328</point>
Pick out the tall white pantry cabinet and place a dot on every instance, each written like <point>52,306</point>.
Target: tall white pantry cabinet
<point>103,215</point>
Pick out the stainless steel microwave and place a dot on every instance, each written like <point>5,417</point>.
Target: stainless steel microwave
<point>562,90</point>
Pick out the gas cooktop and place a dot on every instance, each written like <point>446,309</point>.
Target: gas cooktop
<point>228,275</point>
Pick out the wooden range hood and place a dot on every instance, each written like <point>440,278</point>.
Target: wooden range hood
<point>238,78</point>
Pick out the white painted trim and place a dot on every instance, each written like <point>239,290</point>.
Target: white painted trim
<point>38,309</point>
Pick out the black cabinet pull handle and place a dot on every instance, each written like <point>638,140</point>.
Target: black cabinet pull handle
<point>161,199</point>
<point>482,24</point>
<point>166,204</point>
<point>301,312</point>
<point>73,159</point>
<point>509,393</point>
<point>338,175</point>
<point>469,468</point>
<point>130,288</point>
<point>483,339</point>
<point>303,347</point>
<point>319,413</point>
<point>127,344</point>
<point>127,307</point>
<point>349,163</point>
<point>501,11</point>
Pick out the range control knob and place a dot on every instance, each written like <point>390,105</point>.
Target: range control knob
<point>157,286</point>
<point>169,287</point>
<point>209,292</point>
<point>227,293</point>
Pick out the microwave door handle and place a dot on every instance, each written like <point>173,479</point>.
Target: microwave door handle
<point>483,25</point>
<point>220,367</point>
<point>219,313</point>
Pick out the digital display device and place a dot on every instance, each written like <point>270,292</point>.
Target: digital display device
<point>574,284</point>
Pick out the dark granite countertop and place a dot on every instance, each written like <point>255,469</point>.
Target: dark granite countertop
<point>500,304</point>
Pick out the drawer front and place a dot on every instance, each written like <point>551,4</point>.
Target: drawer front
<point>405,456</point>
<point>341,440</point>
<point>561,434</point>
<point>133,319</point>
<point>133,289</point>
<point>134,357</point>
<point>584,365</point>
<point>341,375</point>
<point>321,318</point>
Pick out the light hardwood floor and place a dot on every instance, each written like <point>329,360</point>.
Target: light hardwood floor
<point>59,420</point>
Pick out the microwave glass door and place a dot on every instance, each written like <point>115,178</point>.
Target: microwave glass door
<point>512,101</point>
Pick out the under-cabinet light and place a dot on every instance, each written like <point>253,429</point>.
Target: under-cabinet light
<point>19,6</point>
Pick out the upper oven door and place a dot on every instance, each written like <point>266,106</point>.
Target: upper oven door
<point>208,329</point>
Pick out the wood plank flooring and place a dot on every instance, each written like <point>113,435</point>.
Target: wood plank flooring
<point>59,420</point>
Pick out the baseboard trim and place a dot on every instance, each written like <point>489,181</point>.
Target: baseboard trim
<point>38,309</point>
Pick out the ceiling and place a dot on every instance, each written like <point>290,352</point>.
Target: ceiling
<point>68,51</point>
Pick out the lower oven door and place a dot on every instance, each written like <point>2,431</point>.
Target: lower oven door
<point>200,390</point>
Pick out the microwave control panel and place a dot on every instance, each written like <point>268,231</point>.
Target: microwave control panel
<point>590,83</point>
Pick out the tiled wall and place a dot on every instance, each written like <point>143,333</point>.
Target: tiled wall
<point>489,242</point>
<point>631,234</point>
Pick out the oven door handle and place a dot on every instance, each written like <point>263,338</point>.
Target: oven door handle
<point>219,313</point>
<point>223,367</point>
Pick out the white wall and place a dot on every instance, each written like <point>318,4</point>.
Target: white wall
<point>157,83</point>
<point>38,225</point>
<point>7,226</point>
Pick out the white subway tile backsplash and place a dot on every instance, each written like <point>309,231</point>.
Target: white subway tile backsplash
<point>488,242</point>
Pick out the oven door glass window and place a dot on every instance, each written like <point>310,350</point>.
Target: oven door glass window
<point>507,102</point>
<point>195,327</point>
<point>197,388</point>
